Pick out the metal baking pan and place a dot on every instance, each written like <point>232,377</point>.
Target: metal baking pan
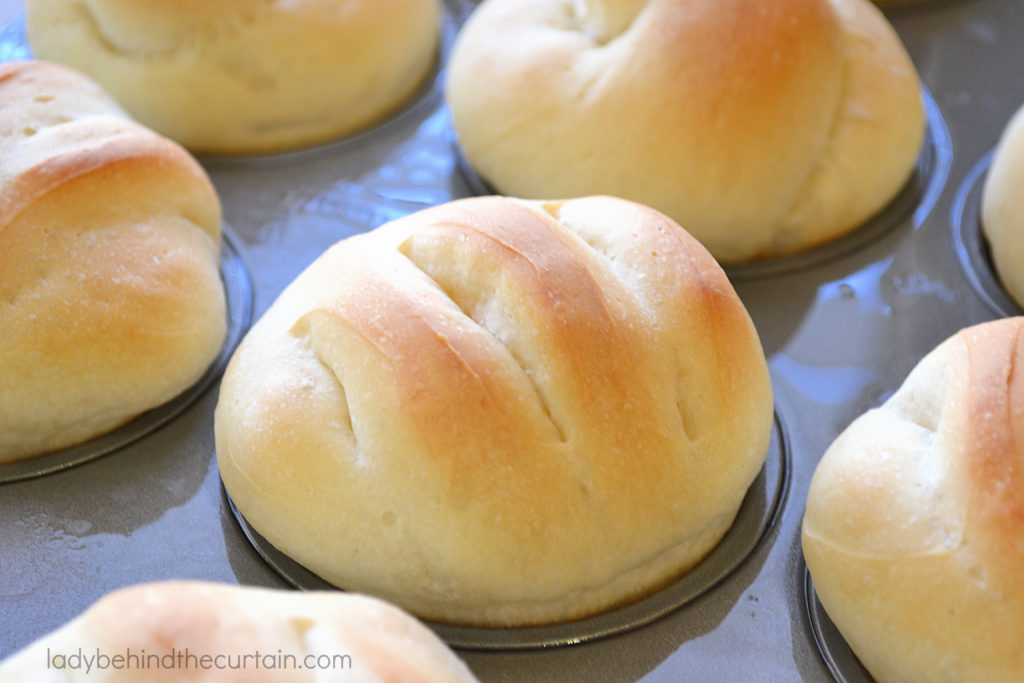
<point>841,331</point>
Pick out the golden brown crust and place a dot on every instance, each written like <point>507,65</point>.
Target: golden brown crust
<point>110,299</point>
<point>805,126</point>
<point>914,530</point>
<point>247,75</point>
<point>198,631</point>
<point>995,417</point>
<point>573,386</point>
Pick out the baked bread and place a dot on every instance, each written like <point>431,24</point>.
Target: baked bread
<point>914,529</point>
<point>499,412</point>
<point>1001,219</point>
<point>762,126</point>
<point>111,301</point>
<point>218,633</point>
<point>245,76</point>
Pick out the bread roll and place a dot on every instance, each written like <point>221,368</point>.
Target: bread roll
<point>1001,218</point>
<point>500,412</point>
<point>196,631</point>
<point>111,301</point>
<point>914,529</point>
<point>762,126</point>
<point>244,76</point>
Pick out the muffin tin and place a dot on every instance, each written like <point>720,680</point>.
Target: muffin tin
<point>971,247</point>
<point>839,658</point>
<point>841,328</point>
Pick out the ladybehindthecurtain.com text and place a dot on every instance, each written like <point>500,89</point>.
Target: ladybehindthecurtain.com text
<point>175,659</point>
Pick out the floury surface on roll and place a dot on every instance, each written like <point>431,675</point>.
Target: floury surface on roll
<point>245,76</point>
<point>1002,220</point>
<point>763,127</point>
<point>914,529</point>
<point>218,633</point>
<point>500,412</point>
<point>111,301</point>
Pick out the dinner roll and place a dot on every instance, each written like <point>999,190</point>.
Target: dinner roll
<point>500,412</point>
<point>214,633</point>
<point>244,76</point>
<point>914,529</point>
<point>1001,217</point>
<point>111,301</point>
<point>762,126</point>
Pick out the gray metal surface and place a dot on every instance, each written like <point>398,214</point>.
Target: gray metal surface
<point>840,334</point>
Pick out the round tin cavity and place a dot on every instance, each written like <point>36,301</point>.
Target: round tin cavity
<point>972,248</point>
<point>839,658</point>
<point>757,515</point>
